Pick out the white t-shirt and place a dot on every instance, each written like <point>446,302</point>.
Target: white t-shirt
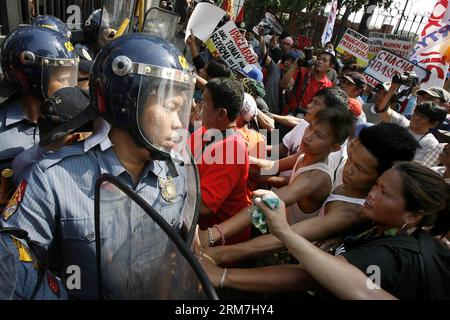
<point>427,142</point>
<point>336,162</point>
<point>292,141</point>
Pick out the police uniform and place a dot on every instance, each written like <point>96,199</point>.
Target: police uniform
<point>142,85</point>
<point>24,277</point>
<point>17,133</point>
<point>34,60</point>
<point>23,162</point>
<point>57,200</point>
<point>57,110</point>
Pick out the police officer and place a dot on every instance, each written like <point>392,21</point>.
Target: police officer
<point>142,87</point>
<point>36,62</point>
<point>23,273</point>
<point>97,31</point>
<point>57,110</point>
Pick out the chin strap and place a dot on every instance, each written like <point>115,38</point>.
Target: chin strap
<point>155,154</point>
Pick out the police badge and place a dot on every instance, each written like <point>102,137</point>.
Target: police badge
<point>168,189</point>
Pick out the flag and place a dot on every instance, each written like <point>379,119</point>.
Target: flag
<point>328,31</point>
<point>240,15</point>
<point>432,50</point>
<point>227,5</point>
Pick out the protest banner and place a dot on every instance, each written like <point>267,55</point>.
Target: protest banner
<point>270,24</point>
<point>230,45</point>
<point>432,49</point>
<point>383,67</point>
<point>328,31</point>
<point>354,44</point>
<point>399,44</point>
<point>203,21</point>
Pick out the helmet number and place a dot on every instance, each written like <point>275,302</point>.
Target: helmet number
<point>68,46</point>
<point>183,62</point>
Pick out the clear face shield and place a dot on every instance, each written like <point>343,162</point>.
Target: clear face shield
<point>115,21</point>
<point>55,73</point>
<point>161,23</point>
<point>164,103</point>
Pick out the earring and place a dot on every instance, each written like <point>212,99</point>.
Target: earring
<point>404,225</point>
<point>404,229</point>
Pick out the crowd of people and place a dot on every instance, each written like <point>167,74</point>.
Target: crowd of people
<point>344,178</point>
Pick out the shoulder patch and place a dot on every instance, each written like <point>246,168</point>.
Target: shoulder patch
<point>53,284</point>
<point>15,201</point>
<point>24,254</point>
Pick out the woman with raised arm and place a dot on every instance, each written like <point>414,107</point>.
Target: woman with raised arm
<point>408,205</point>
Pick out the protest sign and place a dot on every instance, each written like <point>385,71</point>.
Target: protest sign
<point>270,24</point>
<point>383,67</point>
<point>354,44</point>
<point>433,53</point>
<point>328,31</point>
<point>399,44</point>
<point>204,20</point>
<point>230,45</point>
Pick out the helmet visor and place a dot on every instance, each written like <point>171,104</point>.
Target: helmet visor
<point>164,108</point>
<point>115,20</point>
<point>58,74</point>
<point>161,23</point>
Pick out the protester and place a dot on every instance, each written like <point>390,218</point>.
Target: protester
<point>306,81</point>
<point>417,201</point>
<point>310,183</point>
<point>222,161</point>
<point>426,116</point>
<point>375,150</point>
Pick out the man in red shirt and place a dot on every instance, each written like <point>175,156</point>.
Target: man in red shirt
<point>307,81</point>
<point>221,156</point>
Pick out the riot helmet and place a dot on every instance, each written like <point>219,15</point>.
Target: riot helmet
<point>39,61</point>
<point>142,84</point>
<point>53,23</point>
<point>91,27</point>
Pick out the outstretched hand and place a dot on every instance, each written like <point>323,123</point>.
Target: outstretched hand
<point>275,218</point>
<point>213,272</point>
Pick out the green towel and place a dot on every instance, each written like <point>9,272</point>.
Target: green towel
<point>258,218</point>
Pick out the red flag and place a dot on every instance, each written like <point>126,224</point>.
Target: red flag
<point>240,16</point>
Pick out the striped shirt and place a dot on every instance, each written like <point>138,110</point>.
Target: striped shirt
<point>17,133</point>
<point>58,202</point>
<point>24,161</point>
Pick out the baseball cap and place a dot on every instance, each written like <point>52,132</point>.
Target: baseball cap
<point>330,53</point>
<point>357,79</point>
<point>355,106</point>
<point>436,92</point>
<point>249,108</point>
<point>288,40</point>
<point>293,54</point>
<point>63,106</point>
<point>385,85</point>
<point>252,71</point>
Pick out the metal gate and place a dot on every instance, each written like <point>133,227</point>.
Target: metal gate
<point>16,12</point>
<point>402,17</point>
